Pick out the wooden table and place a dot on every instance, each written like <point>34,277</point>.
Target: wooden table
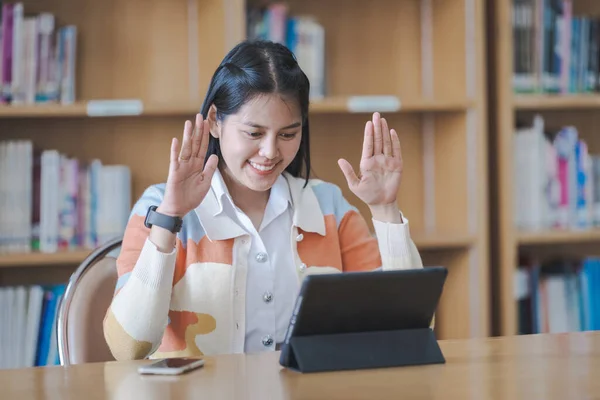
<point>565,366</point>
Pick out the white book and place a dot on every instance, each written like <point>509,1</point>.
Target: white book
<point>557,304</point>
<point>20,326</point>
<point>530,175</point>
<point>45,85</point>
<point>3,199</point>
<point>31,59</point>
<point>50,201</point>
<point>34,316</point>
<point>10,195</point>
<point>18,70</point>
<point>11,316</point>
<point>4,324</point>
<point>28,195</point>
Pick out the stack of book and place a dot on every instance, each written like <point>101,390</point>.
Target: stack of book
<point>558,295</point>
<point>37,57</point>
<point>51,202</point>
<point>554,50</point>
<point>302,34</point>
<point>28,317</point>
<point>556,179</point>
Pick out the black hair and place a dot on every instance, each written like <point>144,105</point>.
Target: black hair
<point>253,68</point>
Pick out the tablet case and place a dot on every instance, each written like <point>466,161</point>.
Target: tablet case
<point>382,319</point>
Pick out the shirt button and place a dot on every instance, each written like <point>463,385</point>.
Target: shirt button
<point>268,297</point>
<point>267,341</point>
<point>299,237</point>
<point>261,257</point>
<point>302,267</point>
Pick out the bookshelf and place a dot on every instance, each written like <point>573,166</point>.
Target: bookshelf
<point>420,62</point>
<point>515,249</point>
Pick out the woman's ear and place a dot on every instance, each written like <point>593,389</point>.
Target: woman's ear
<point>215,126</point>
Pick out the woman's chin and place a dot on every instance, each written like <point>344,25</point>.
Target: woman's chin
<point>260,180</point>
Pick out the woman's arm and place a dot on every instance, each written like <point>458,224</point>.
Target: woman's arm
<point>398,251</point>
<point>391,248</point>
<point>135,322</point>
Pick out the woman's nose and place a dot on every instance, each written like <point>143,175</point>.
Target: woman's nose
<point>268,149</point>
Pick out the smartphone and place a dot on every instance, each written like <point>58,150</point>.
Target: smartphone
<point>172,366</point>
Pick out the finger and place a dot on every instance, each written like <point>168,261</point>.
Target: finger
<point>211,166</point>
<point>204,139</point>
<point>396,148</point>
<point>378,140</point>
<point>349,173</point>
<point>186,145</point>
<point>387,140</point>
<point>174,154</point>
<point>197,135</point>
<point>368,141</point>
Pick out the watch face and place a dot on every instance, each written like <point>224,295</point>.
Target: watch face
<point>151,209</point>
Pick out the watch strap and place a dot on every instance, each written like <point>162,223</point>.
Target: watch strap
<point>172,224</point>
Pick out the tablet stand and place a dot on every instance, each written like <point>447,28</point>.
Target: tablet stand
<point>363,350</point>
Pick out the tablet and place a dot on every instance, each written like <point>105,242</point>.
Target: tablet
<point>359,302</point>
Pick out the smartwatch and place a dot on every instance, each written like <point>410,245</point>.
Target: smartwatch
<point>172,224</point>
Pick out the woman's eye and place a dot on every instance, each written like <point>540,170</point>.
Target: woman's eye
<point>288,136</point>
<point>253,134</point>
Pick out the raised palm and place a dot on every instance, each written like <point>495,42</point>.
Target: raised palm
<point>380,165</point>
<point>189,179</point>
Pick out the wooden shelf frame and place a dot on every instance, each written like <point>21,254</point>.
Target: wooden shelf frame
<point>37,259</point>
<point>322,106</point>
<point>506,107</point>
<point>556,102</point>
<point>423,242</point>
<point>553,237</point>
<point>428,53</point>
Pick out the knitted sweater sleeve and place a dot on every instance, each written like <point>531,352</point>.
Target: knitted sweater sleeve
<point>135,322</point>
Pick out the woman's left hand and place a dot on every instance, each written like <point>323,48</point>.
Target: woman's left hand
<point>380,170</point>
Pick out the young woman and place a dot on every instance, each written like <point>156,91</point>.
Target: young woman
<point>212,260</point>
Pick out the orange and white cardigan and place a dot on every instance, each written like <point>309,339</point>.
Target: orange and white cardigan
<point>191,302</point>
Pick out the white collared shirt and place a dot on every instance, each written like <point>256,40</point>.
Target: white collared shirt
<point>272,282</point>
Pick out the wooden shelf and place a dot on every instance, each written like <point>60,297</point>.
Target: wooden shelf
<point>327,105</point>
<point>558,237</point>
<point>508,111</point>
<point>35,259</point>
<point>67,258</point>
<point>345,104</point>
<point>557,102</point>
<point>426,77</point>
<point>80,109</point>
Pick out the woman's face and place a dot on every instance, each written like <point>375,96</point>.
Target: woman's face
<point>260,141</point>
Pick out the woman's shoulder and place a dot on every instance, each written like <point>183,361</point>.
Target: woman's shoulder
<point>152,196</point>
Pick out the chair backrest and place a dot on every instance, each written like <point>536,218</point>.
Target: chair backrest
<point>88,295</point>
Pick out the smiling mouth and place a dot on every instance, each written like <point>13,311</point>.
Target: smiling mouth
<point>262,168</point>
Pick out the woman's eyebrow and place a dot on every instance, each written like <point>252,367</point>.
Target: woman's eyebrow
<point>254,125</point>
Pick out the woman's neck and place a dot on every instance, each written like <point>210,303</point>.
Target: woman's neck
<point>251,202</point>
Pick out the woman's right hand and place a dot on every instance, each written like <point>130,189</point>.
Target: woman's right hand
<point>189,179</point>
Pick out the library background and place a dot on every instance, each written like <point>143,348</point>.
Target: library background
<point>495,103</point>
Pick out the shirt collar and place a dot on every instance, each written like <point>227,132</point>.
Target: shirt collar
<point>287,191</point>
<point>216,224</point>
<point>307,210</point>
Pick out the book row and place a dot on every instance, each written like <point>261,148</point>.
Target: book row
<point>50,201</point>
<point>302,34</point>
<point>37,57</point>
<point>554,50</point>
<point>556,179</point>
<point>28,317</point>
<point>557,296</point>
